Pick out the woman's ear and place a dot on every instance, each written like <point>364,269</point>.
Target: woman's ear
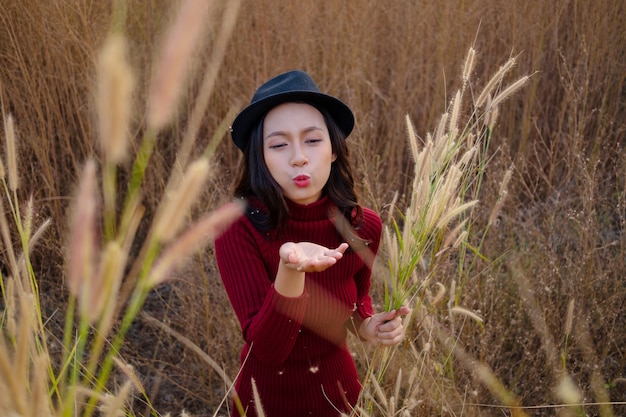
<point>334,157</point>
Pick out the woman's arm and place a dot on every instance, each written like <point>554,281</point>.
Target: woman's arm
<point>270,322</point>
<point>270,314</point>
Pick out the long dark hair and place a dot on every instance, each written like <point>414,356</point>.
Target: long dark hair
<point>256,181</point>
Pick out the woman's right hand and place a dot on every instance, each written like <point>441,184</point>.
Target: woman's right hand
<point>310,257</point>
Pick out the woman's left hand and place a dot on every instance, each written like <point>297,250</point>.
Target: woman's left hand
<point>385,328</point>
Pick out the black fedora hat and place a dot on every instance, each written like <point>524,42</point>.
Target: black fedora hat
<point>290,86</point>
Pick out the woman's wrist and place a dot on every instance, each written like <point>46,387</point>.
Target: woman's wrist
<point>364,332</point>
<point>289,282</point>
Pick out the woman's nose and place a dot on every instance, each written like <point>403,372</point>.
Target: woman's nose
<point>298,158</point>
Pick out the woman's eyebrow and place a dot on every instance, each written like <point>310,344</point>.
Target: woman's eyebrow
<point>275,133</point>
<point>312,128</point>
<point>282,133</point>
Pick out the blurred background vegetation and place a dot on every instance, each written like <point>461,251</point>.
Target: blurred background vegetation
<point>559,236</point>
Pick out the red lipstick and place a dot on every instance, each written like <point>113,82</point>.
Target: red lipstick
<point>301,180</point>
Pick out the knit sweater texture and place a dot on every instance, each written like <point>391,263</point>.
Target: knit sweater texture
<point>295,348</point>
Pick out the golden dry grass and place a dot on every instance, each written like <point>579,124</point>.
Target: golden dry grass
<point>549,281</point>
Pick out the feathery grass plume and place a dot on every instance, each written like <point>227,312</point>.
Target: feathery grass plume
<point>454,211</point>
<point>82,241</point>
<point>396,394</point>
<point>40,403</point>
<point>509,91</point>
<point>380,394</point>
<point>468,313</point>
<point>11,145</point>
<point>492,382</point>
<point>502,193</point>
<point>569,318</point>
<point>32,242</point>
<point>8,390</point>
<point>130,373</point>
<point>179,199</point>
<point>113,405</point>
<point>11,398</point>
<point>112,273</point>
<point>176,58</point>
<point>27,220</point>
<point>114,108</point>
<point>227,27</point>
<point>440,132</point>
<point>114,93</point>
<point>258,406</point>
<point>536,314</point>
<point>495,80</point>
<point>441,292</point>
<point>100,300</point>
<point>9,307</point>
<point>452,237</point>
<point>24,340</point>
<point>468,66</point>
<point>454,117</point>
<point>453,295</point>
<point>568,392</point>
<point>2,171</point>
<point>491,116</point>
<point>209,227</point>
<point>461,239</point>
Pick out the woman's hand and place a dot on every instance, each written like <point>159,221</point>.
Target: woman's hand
<point>384,328</point>
<point>310,257</point>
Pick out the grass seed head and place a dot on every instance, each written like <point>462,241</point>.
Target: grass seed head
<point>178,201</point>
<point>495,80</point>
<point>82,231</point>
<point>502,193</point>
<point>468,66</point>
<point>114,93</point>
<point>193,238</point>
<point>100,297</point>
<point>568,391</point>
<point>465,312</point>
<point>176,57</point>
<point>257,400</point>
<point>509,91</point>
<point>454,115</point>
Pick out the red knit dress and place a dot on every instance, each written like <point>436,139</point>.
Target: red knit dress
<point>295,348</point>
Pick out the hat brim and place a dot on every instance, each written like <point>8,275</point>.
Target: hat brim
<point>250,115</point>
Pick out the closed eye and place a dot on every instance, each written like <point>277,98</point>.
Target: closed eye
<point>277,146</point>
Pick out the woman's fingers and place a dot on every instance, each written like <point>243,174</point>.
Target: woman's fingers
<point>342,248</point>
<point>310,257</point>
<point>391,330</point>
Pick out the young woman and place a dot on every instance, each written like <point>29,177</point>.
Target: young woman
<point>297,266</point>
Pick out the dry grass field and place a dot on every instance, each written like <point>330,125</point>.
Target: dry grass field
<point>525,317</point>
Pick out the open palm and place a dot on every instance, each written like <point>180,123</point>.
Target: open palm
<point>310,257</point>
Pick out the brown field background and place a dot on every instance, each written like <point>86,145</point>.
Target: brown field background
<point>559,237</point>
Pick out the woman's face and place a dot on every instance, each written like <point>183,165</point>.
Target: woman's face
<point>297,150</point>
